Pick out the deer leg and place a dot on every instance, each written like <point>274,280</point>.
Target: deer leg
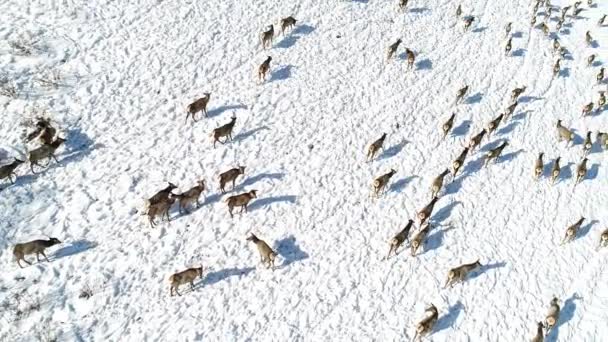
<point>11,179</point>
<point>38,256</point>
<point>233,182</point>
<point>192,285</point>
<point>44,255</point>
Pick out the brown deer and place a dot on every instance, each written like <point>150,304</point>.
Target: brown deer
<point>263,69</point>
<point>374,147</point>
<point>230,176</point>
<point>44,152</point>
<point>392,49</point>
<point>411,58</point>
<point>44,130</point>
<point>267,36</point>
<point>458,274</point>
<point>267,255</point>
<point>190,196</point>
<point>224,131</point>
<point>572,230</point>
<point>447,126</point>
<point>241,200</point>
<point>197,106</point>
<point>381,182</point>
<point>459,162</point>
<point>425,326</point>
<point>184,277</point>
<point>33,247</point>
<point>8,171</point>
<point>426,212</point>
<point>160,209</point>
<point>287,23</point>
<point>419,239</point>
<point>399,238</point>
<point>163,194</point>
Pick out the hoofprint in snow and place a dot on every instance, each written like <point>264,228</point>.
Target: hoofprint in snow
<point>116,78</point>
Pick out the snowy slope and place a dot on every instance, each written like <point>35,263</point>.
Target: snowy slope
<point>129,68</point>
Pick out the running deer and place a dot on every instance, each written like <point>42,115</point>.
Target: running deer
<point>402,4</point>
<point>588,144</point>
<point>457,164</point>
<point>588,38</point>
<point>539,337</point>
<point>398,239</point>
<point>601,102</point>
<point>267,36</point>
<point>476,140</point>
<point>602,19</point>
<point>515,93</point>
<point>160,209</point>
<point>419,239</point>
<point>563,133</point>
<point>511,109</point>
<point>508,28</point>
<point>556,46</point>
<point>437,183</point>
<point>603,239</point>
<point>556,68</point>
<point>581,171</point>
<point>374,147</point>
<point>493,125</point>
<point>508,47</point>
<point>426,212</point>
<point>545,29</point>
<point>458,274</point>
<point>538,166</point>
<point>224,131</point>
<point>8,171</point>
<point>381,182</point>
<point>494,153</point>
<point>33,247</point>
<point>590,60</point>
<point>287,23</point>
<point>600,76</point>
<point>198,106</point>
<point>552,315</point>
<point>230,176</point>
<point>44,152</point>
<point>410,58</point>
<point>241,200</point>
<point>267,255</point>
<point>555,170</point>
<point>425,326</point>
<point>191,196</point>
<point>587,109</point>
<point>461,93</point>
<point>572,230</point>
<point>447,126</point>
<point>263,69</point>
<point>184,277</point>
<point>392,49</point>
<point>602,139</point>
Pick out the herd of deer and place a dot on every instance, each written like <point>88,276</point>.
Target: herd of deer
<point>159,204</point>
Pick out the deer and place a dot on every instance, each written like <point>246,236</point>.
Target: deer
<point>437,183</point>
<point>44,152</point>
<point>426,212</point>
<point>538,166</point>
<point>33,247</point>
<point>515,93</point>
<point>402,4</point>
<point>539,337</point>
<point>494,153</point>
<point>410,58</point>
<point>588,144</point>
<point>601,102</point>
<point>392,49</point>
<point>461,93</point>
<point>587,109</point>
<point>603,239</point>
<point>467,22</point>
<point>572,230</point>
<point>556,68</point>
<point>8,170</point>
<point>241,200</point>
<point>163,194</point>
<point>600,76</point>
<point>508,47</point>
<point>581,171</point>
<point>425,326</point>
<point>198,106</point>
<point>160,209</point>
<point>458,11</point>
<point>590,60</point>
<point>563,133</point>
<point>44,130</point>
<point>267,36</point>
<point>399,238</point>
<point>545,29</point>
<point>184,277</point>
<point>191,196</point>
<point>476,139</point>
<point>493,125</point>
<point>267,255</point>
<point>287,23</point>
<point>458,274</point>
<point>263,69</point>
<point>381,182</point>
<point>224,131</point>
<point>552,315</point>
<point>508,29</point>
<point>602,139</point>
<point>533,20</point>
<point>457,164</point>
<point>419,239</point>
<point>511,109</point>
<point>374,147</point>
<point>555,170</point>
<point>588,38</point>
<point>602,19</point>
<point>230,176</point>
<point>447,126</point>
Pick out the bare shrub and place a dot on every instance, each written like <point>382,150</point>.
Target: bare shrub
<point>8,87</point>
<point>50,79</point>
<point>86,292</point>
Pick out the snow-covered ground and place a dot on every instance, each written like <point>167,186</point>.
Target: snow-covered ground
<point>129,68</point>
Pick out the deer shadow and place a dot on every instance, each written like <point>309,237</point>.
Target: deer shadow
<point>453,186</point>
<point>266,201</point>
<point>592,172</point>
<point>259,177</point>
<point>245,135</point>
<point>565,315</point>
<point>508,128</point>
<point>517,34</point>
<point>436,239</point>
<point>584,230</point>
<point>594,44</point>
<point>462,129</point>
<point>476,98</point>
<point>529,98</point>
<point>448,320</point>
<point>509,156</point>
<point>565,172</point>
<point>217,276</point>
<point>75,247</point>
<point>219,110</point>
<point>303,29</point>
<point>480,29</point>
<point>425,64</point>
<point>288,41</point>
<point>420,10</point>
<point>399,185</point>
<point>290,251</point>
<point>444,213</point>
<point>281,73</point>
<point>521,52</point>
<point>78,145</point>
<point>393,150</point>
<point>596,63</point>
<point>521,115</point>
<point>490,145</point>
<point>485,268</point>
<point>565,73</point>
<point>473,166</point>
